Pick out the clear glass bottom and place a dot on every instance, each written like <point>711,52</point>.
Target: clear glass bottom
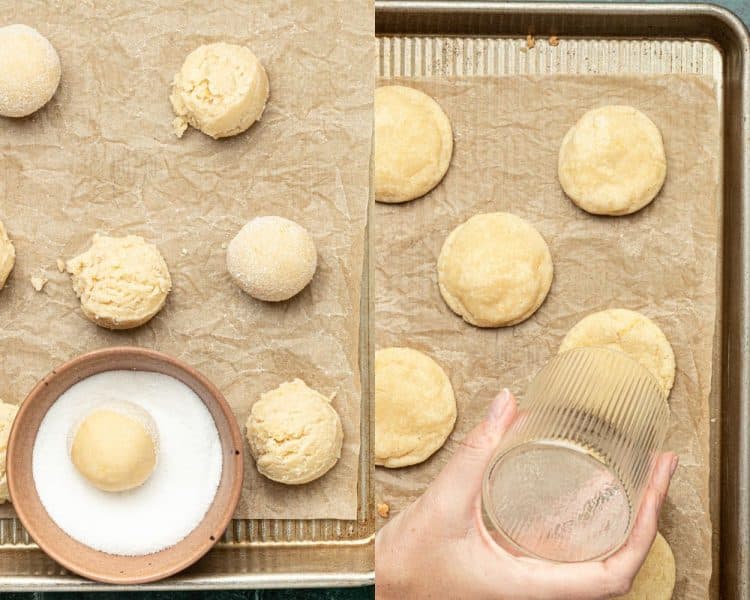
<point>556,500</point>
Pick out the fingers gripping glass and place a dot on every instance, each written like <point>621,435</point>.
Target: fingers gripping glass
<point>568,477</point>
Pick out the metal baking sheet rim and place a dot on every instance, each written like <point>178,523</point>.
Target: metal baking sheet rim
<point>734,384</point>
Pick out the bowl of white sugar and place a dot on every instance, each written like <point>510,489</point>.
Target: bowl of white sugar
<point>125,465</point>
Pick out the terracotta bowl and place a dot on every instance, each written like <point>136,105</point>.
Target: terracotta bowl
<point>77,557</point>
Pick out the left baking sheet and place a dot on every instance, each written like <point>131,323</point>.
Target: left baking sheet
<point>102,157</point>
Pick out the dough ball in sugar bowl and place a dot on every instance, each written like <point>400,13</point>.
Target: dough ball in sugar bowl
<point>295,435</point>
<point>272,258</point>
<point>122,281</point>
<point>115,447</point>
<point>29,70</point>
<point>221,89</point>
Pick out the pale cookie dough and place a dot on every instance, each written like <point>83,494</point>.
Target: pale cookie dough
<point>612,161</point>
<point>656,579</point>
<point>115,447</point>
<point>29,70</point>
<point>629,332</point>
<point>413,144</point>
<point>7,255</point>
<point>272,258</point>
<point>7,415</point>
<point>415,409</point>
<point>494,270</point>
<point>122,281</point>
<point>221,89</point>
<point>295,435</point>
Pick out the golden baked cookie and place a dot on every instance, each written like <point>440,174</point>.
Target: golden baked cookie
<point>295,435</point>
<point>629,332</point>
<point>221,89</point>
<point>612,161</point>
<point>415,409</point>
<point>413,144</point>
<point>494,270</point>
<point>122,282</point>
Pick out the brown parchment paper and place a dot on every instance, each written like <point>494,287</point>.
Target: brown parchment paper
<point>660,261</point>
<point>102,157</point>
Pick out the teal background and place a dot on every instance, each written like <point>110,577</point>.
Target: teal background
<point>742,9</point>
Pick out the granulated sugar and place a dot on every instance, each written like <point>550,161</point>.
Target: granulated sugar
<point>170,504</point>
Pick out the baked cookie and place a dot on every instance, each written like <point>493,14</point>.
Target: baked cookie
<point>612,161</point>
<point>413,144</point>
<point>29,70</point>
<point>415,409</point>
<point>494,270</point>
<point>272,258</point>
<point>221,89</point>
<point>295,435</point>
<point>122,282</point>
<point>629,332</point>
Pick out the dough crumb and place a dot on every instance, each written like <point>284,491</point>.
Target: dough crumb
<point>184,252</point>
<point>38,282</point>
<point>530,41</point>
<point>384,510</point>
<point>61,265</point>
<point>179,125</point>
<point>554,40</point>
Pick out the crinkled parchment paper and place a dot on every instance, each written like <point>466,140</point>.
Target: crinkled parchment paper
<point>660,261</point>
<point>102,157</point>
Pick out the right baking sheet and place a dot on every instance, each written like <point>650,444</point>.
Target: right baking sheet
<point>661,261</point>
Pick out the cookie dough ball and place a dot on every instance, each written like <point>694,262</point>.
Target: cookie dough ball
<point>656,579</point>
<point>413,143</point>
<point>272,258</point>
<point>29,70</point>
<point>295,434</point>
<point>494,270</point>
<point>415,409</point>
<point>221,89</point>
<point>7,255</point>
<point>122,282</point>
<point>7,416</point>
<point>629,332</point>
<point>115,447</point>
<point>612,161</point>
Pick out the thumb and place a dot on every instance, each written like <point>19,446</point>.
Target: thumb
<point>461,479</point>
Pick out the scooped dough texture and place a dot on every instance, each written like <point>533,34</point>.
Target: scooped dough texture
<point>612,161</point>
<point>7,415</point>
<point>413,143</point>
<point>221,89</point>
<point>122,282</point>
<point>29,70</point>
<point>629,332</point>
<point>295,435</point>
<point>415,409</point>
<point>656,579</point>
<point>272,258</point>
<point>7,255</point>
<point>115,448</point>
<point>494,270</point>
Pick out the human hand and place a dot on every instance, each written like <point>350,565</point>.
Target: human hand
<point>439,547</point>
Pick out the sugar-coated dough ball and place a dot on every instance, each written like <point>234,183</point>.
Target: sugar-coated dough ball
<point>29,70</point>
<point>272,258</point>
<point>7,415</point>
<point>612,161</point>
<point>295,435</point>
<point>494,270</point>
<point>221,89</point>
<point>413,143</point>
<point>122,281</point>
<point>656,579</point>
<point>415,409</point>
<point>115,447</point>
<point>7,255</point>
<point>629,332</point>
